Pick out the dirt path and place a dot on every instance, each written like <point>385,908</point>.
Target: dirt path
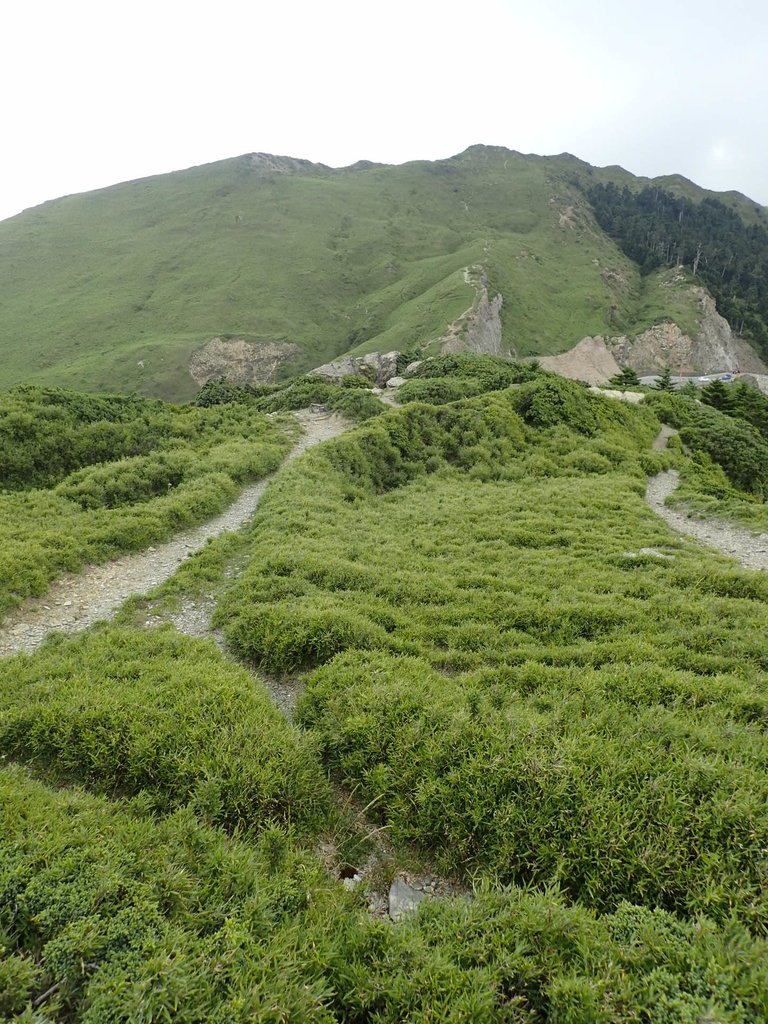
<point>749,549</point>
<point>76,601</point>
<point>662,438</point>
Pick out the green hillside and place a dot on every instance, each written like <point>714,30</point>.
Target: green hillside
<point>115,289</point>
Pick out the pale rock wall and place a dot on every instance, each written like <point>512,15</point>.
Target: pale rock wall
<point>715,348</point>
<point>242,362</point>
<point>590,361</point>
<point>477,330</point>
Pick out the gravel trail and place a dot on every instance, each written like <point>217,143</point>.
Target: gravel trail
<point>77,600</point>
<point>749,549</point>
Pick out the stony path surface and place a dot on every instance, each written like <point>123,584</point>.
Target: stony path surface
<point>749,549</point>
<point>76,601</point>
<point>662,438</point>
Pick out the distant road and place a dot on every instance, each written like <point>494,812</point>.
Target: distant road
<point>699,380</point>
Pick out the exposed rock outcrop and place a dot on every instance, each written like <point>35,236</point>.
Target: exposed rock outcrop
<point>377,366</point>
<point>756,380</point>
<point>243,362</point>
<point>715,348</point>
<point>590,361</point>
<point>479,328</point>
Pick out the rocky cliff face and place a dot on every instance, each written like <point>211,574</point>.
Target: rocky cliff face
<point>479,328</point>
<point>379,367</point>
<point>714,348</point>
<point>242,362</point>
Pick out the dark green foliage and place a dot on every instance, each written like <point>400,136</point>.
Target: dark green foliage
<point>352,398</point>
<point>730,442</point>
<point>220,391</point>
<point>626,379</point>
<point>131,711</point>
<point>664,381</point>
<point>740,400</point>
<point>439,390</point>
<point>656,228</point>
<point>46,433</point>
<point>717,395</point>
<point>554,401</point>
<point>449,378</point>
<point>493,372</point>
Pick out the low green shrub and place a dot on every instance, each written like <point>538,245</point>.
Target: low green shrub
<point>134,711</point>
<point>110,914</point>
<point>730,442</point>
<point>186,468</point>
<point>599,779</point>
<point>523,693</point>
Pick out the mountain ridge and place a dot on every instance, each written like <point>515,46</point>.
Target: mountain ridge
<point>121,287</point>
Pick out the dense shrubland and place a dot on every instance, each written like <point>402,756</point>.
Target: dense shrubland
<point>127,711</point>
<point>517,694</point>
<point>445,379</point>
<point>352,399</point>
<point>86,478</point>
<point>110,913</point>
<point>514,692</point>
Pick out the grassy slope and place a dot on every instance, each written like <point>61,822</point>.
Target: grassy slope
<point>364,258</point>
<point>510,689</point>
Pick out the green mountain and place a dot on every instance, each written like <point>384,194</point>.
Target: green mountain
<point>292,264</point>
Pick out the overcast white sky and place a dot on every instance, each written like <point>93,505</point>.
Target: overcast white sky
<point>100,92</point>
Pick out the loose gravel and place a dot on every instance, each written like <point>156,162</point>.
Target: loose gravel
<point>749,549</point>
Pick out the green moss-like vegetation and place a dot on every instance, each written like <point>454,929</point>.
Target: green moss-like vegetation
<point>110,914</point>
<point>515,690</point>
<point>134,711</point>
<point>519,696</point>
<point>352,399</point>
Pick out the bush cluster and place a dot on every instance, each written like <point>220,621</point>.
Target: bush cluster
<point>130,711</point>
<point>108,913</point>
<point>514,688</point>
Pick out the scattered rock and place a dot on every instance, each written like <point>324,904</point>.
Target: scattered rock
<point>403,898</point>
<point>378,366</point>
<point>413,367</point>
<point>395,382</point>
<point>632,397</point>
<point>648,553</point>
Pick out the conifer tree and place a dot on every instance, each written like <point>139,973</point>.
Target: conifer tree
<point>626,379</point>
<point>664,380</point>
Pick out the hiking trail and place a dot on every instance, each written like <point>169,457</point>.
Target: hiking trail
<point>75,601</point>
<point>749,549</point>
